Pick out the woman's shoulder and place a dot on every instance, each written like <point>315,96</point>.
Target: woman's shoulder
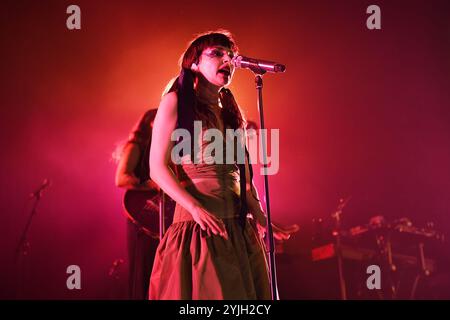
<point>172,95</point>
<point>169,102</point>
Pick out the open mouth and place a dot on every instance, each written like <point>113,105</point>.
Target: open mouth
<point>225,71</point>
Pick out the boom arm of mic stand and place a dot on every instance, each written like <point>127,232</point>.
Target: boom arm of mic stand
<point>24,245</point>
<point>23,242</point>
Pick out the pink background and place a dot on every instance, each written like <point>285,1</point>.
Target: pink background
<point>361,113</point>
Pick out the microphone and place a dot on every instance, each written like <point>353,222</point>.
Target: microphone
<point>45,184</point>
<point>256,65</point>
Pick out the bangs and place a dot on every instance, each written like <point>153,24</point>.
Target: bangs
<point>215,39</point>
<point>201,42</point>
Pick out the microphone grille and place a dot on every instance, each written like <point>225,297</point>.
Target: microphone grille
<point>236,61</point>
<point>280,67</point>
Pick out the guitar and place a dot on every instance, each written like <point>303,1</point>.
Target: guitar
<point>142,208</point>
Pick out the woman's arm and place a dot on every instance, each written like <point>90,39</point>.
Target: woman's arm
<point>253,202</point>
<point>125,177</point>
<point>160,152</point>
<point>255,208</point>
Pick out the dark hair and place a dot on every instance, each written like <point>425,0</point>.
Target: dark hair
<point>190,108</point>
<point>142,130</point>
<point>231,113</point>
<point>204,40</point>
<point>141,134</point>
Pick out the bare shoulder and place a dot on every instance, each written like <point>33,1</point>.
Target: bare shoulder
<point>169,103</point>
<point>167,114</point>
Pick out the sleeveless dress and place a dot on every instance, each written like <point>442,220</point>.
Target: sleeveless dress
<point>192,265</point>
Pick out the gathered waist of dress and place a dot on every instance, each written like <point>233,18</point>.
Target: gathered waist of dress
<point>208,171</point>
<point>182,215</point>
<point>219,196</point>
<point>192,181</point>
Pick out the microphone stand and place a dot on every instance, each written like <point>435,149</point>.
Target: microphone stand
<point>337,233</point>
<point>269,238</point>
<point>23,246</point>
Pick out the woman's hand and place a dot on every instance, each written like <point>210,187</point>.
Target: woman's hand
<point>279,232</point>
<point>208,222</point>
<point>259,222</point>
<point>284,233</point>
